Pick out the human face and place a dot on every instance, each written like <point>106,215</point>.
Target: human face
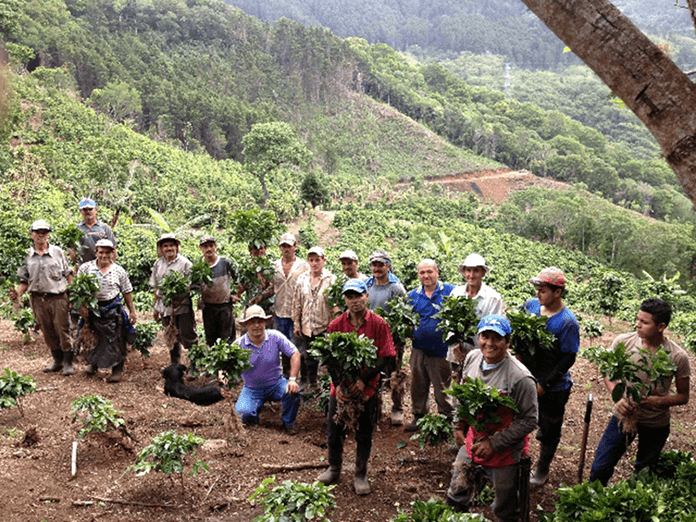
<point>548,297</point>
<point>89,215</point>
<point>257,251</point>
<point>316,264</point>
<point>427,275</point>
<point>170,249</point>
<point>256,328</point>
<point>40,237</point>
<point>288,251</point>
<point>350,268</point>
<point>380,271</point>
<point>493,346</point>
<point>646,327</point>
<point>208,249</point>
<point>474,276</point>
<point>356,303</point>
<point>104,256</point>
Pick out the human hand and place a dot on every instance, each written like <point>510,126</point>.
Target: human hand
<point>133,318</point>
<point>254,300</point>
<point>459,437</point>
<point>540,390</point>
<point>482,449</point>
<point>292,388</point>
<point>156,315</point>
<point>624,407</point>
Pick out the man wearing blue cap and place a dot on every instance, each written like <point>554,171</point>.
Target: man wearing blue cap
<point>359,319</point>
<point>93,230</point>
<point>499,448</point>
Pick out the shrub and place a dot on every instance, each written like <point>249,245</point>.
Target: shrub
<point>294,501</point>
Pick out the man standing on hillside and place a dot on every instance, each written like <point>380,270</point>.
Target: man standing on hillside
<point>287,269</point>
<point>311,313</point>
<point>46,276</point>
<point>429,362</point>
<point>551,368</point>
<point>349,265</point>
<point>652,414</point>
<point>382,287</point>
<point>359,319</point>
<point>217,299</point>
<point>488,301</point>
<point>93,230</point>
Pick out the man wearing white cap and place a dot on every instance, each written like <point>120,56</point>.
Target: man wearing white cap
<point>311,313</point>
<point>46,277</point>
<point>181,311</point>
<point>264,381</point>
<point>93,230</point>
<point>287,269</point>
<point>488,301</point>
<point>349,265</point>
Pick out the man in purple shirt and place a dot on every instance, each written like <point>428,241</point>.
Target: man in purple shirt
<point>265,381</point>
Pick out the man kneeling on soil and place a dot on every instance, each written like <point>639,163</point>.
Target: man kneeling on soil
<point>359,319</point>
<point>497,450</point>
<point>265,381</point>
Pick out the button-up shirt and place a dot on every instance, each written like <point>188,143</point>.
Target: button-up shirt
<point>284,287</point>
<point>426,337</point>
<point>47,272</point>
<point>310,309</point>
<point>159,271</point>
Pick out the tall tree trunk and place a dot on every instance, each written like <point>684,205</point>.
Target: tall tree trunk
<point>636,70</point>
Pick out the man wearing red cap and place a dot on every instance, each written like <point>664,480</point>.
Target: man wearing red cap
<point>551,368</point>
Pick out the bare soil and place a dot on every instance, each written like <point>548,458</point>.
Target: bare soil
<point>35,449</point>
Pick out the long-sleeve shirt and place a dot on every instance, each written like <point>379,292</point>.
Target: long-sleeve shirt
<point>284,287</point>
<point>46,273</point>
<point>426,337</point>
<point>159,271</point>
<point>310,309</point>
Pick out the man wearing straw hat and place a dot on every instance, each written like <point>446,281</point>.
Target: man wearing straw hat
<point>264,381</point>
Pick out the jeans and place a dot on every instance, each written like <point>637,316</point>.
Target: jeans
<point>614,443</point>
<point>284,325</point>
<point>251,399</point>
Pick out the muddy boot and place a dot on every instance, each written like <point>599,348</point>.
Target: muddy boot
<point>57,362</point>
<point>413,425</point>
<point>335,460</point>
<point>175,354</point>
<point>361,484</point>
<point>116,373</point>
<point>541,472</point>
<point>90,370</point>
<point>68,364</point>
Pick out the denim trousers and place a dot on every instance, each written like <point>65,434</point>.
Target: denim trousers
<point>615,442</point>
<point>251,399</point>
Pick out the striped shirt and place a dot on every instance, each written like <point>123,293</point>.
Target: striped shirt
<point>310,309</point>
<point>115,280</point>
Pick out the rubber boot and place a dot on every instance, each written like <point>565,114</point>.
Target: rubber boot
<point>116,373</point>
<point>90,370</point>
<point>68,364</point>
<point>175,354</point>
<point>334,471</point>
<point>541,472</point>
<point>57,362</point>
<point>361,484</point>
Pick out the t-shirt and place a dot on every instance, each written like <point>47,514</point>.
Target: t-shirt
<point>223,274</point>
<point>380,295</point>
<point>88,241</point>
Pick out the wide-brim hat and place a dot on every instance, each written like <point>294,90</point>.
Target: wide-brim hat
<point>472,261</point>
<point>168,237</point>
<point>254,312</point>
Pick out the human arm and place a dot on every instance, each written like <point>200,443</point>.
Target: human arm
<point>292,388</point>
<point>524,421</point>
<point>132,316</point>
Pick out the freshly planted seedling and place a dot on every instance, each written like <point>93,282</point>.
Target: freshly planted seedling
<point>294,501</point>
<point>13,387</point>
<point>401,318</point>
<point>99,415</point>
<point>458,320</point>
<point>435,510</point>
<point>23,320</point>
<point>433,429</point>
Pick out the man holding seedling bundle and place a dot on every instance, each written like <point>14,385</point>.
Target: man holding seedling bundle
<point>551,368</point>
<point>652,414</point>
<point>499,448</point>
<point>46,277</point>
<point>180,312</point>
<point>359,319</point>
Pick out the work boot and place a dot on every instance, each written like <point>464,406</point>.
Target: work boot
<point>68,364</point>
<point>413,425</point>
<point>116,373</point>
<point>175,354</point>
<point>397,418</point>
<point>57,362</point>
<point>90,370</point>
<point>361,484</point>
<point>335,460</point>
<point>541,472</point>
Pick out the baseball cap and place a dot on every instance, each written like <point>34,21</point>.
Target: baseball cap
<point>354,285</point>
<point>495,323</point>
<point>381,256</point>
<point>287,239</point>
<point>168,237</point>
<point>549,276</point>
<point>206,239</point>
<point>87,203</point>
<point>40,224</point>
<point>252,312</point>
<point>471,261</point>
<point>348,254</point>
<point>316,250</point>
<point>107,243</point>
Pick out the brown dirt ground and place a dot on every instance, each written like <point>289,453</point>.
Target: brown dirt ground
<point>36,482</point>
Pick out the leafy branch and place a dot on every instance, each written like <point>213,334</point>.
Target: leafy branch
<point>294,501</point>
<point>433,429</point>
<point>145,335</point>
<point>458,319</point>
<point>224,356</point>
<point>479,403</point>
<point>401,318</point>
<point>99,416</point>
<point>83,292</point>
<point>173,287</point>
<point>13,387</point>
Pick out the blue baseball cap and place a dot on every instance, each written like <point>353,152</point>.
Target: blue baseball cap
<point>88,203</point>
<point>355,285</point>
<point>495,323</point>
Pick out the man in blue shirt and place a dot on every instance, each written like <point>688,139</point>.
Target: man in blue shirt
<point>429,355</point>
<point>551,368</point>
<point>264,381</point>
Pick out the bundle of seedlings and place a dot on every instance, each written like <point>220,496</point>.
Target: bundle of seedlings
<point>433,429</point>
<point>69,238</point>
<point>334,294</point>
<point>173,288</point>
<point>479,407</point>
<point>145,335</point>
<point>253,275</point>
<point>530,335</point>
<point>458,320</point>
<point>82,295</point>
<point>293,501</point>
<point>346,356</point>
<point>629,369</point>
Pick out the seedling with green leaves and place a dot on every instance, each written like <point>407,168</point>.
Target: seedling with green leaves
<point>82,292</point>
<point>251,274</point>
<point>435,510</point>
<point>201,273</point>
<point>458,319</point>
<point>479,403</point>
<point>99,415</point>
<point>169,453</point>
<point>433,429</point>
<point>294,501</point>
<point>145,335</point>
<point>224,356</point>
<point>591,327</point>
<point>23,319</point>
<point>625,367</point>
<point>173,287</point>
<point>68,237</point>
<point>529,334</point>
<point>13,387</point>
<point>334,294</point>
<point>401,318</point>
